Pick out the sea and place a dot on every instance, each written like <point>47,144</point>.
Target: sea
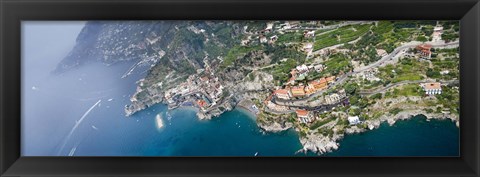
<point>81,113</point>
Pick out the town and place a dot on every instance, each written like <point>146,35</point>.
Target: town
<point>322,78</point>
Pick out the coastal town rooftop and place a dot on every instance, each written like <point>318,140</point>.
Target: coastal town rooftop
<point>432,86</point>
<point>302,113</point>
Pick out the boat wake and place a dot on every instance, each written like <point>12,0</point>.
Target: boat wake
<point>77,123</point>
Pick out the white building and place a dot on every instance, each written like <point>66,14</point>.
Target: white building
<point>353,120</point>
<point>302,68</point>
<point>432,88</point>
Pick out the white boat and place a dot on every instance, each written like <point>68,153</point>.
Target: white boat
<point>93,126</point>
<point>111,99</point>
<point>256,153</point>
<point>159,121</point>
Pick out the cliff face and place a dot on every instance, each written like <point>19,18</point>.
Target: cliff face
<point>168,46</point>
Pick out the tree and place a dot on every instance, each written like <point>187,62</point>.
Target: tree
<point>351,88</point>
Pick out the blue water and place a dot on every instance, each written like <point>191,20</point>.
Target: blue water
<point>413,137</point>
<point>51,111</point>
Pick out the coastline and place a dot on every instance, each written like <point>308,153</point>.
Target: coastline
<point>249,113</point>
<point>322,144</point>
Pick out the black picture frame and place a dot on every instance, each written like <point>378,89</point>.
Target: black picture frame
<point>14,11</point>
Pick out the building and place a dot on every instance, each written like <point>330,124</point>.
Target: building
<point>304,116</point>
<point>302,68</point>
<point>381,52</point>
<point>269,27</point>
<point>330,79</point>
<point>423,51</point>
<point>283,94</point>
<point>308,47</point>
<point>309,34</point>
<point>318,68</point>
<point>437,33</point>
<point>316,85</point>
<point>353,120</point>
<point>432,88</point>
<point>263,39</point>
<point>273,39</point>
<point>298,91</point>
<point>202,103</point>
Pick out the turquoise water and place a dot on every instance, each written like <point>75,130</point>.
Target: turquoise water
<point>235,133</point>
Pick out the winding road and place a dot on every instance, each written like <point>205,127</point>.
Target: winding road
<point>344,77</point>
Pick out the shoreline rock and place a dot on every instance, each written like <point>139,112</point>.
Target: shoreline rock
<point>320,144</point>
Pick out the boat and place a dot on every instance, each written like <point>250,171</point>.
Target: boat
<point>256,153</point>
<point>93,126</point>
<point>159,121</point>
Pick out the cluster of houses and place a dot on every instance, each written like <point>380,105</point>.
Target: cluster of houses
<point>301,71</point>
<point>206,91</point>
<point>301,90</point>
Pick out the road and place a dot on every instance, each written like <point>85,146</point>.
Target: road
<point>398,49</point>
<point>380,90</point>
<point>344,77</point>
<point>328,27</point>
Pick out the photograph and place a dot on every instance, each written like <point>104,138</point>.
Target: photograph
<point>240,88</point>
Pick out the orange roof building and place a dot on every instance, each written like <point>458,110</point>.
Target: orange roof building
<point>201,103</point>
<point>282,93</point>
<point>298,91</point>
<point>330,79</point>
<point>302,113</point>
<point>432,88</point>
<point>424,50</point>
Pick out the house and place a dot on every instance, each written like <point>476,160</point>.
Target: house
<point>298,91</point>
<point>437,33</point>
<point>304,116</point>
<point>269,27</point>
<point>330,79</point>
<point>432,88</point>
<point>263,39</point>
<point>381,52</point>
<point>283,94</point>
<point>353,120</point>
<point>309,34</point>
<point>302,68</point>
<point>423,51</point>
<point>294,24</point>
<point>273,39</point>
<point>308,47</point>
<point>318,67</point>
<point>201,103</point>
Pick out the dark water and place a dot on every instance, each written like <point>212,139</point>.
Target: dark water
<point>70,114</point>
<point>413,137</point>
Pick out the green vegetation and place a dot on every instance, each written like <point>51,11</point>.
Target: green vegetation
<point>281,72</point>
<point>408,69</point>
<point>319,123</point>
<point>336,64</point>
<point>236,52</point>
<point>395,111</point>
<point>341,35</point>
<point>280,52</point>
<point>449,99</point>
<point>290,37</point>
<point>406,90</point>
